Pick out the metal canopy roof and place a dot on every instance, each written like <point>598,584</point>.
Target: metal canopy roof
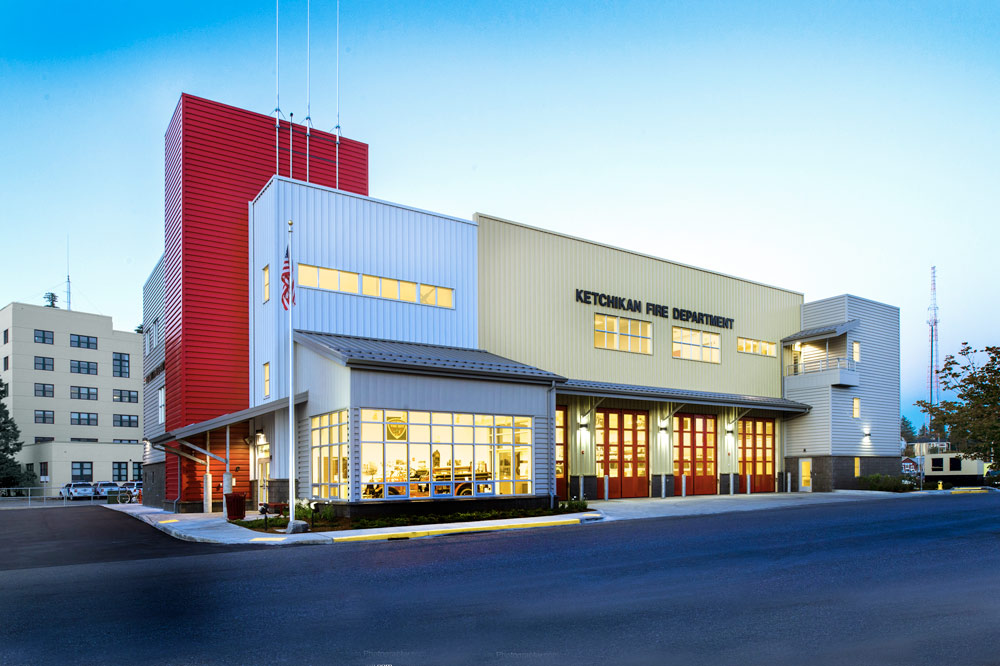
<point>377,354</point>
<point>822,332</point>
<point>605,390</point>
<point>229,419</point>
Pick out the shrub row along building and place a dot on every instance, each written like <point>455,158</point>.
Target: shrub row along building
<point>441,360</point>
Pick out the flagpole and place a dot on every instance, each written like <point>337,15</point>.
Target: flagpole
<point>291,386</point>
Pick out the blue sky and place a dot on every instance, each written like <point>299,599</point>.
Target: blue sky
<point>823,147</point>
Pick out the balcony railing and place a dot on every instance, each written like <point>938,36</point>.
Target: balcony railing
<point>820,365</point>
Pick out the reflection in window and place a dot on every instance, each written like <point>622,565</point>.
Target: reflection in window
<point>409,454</point>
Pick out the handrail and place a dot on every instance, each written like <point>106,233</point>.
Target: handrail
<point>820,365</point>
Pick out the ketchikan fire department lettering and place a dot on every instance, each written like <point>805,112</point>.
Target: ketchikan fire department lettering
<point>608,300</point>
<point>654,309</point>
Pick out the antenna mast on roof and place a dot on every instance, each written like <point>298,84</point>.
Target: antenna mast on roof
<point>338,94</point>
<point>933,386</point>
<point>308,105</point>
<point>277,101</point>
<point>67,274</point>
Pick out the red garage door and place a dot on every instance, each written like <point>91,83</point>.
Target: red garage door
<point>756,443</point>
<point>694,454</point>
<point>622,450</point>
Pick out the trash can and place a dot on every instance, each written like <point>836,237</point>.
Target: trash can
<point>236,506</point>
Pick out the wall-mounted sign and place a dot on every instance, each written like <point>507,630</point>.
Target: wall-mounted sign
<point>616,302</point>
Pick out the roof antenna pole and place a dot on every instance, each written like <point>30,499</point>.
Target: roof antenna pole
<point>277,102</point>
<point>338,94</point>
<point>291,118</point>
<point>68,304</point>
<point>308,106</point>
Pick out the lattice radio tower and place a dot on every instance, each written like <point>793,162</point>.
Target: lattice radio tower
<point>933,387</point>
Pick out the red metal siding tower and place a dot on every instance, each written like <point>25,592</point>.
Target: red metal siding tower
<point>217,158</point>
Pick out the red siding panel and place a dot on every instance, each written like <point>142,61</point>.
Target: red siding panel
<point>217,158</point>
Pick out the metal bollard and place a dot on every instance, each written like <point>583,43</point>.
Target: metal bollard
<point>748,483</point>
<point>607,480</point>
<point>663,486</point>
<point>684,485</point>
<point>581,487</point>
<point>732,491</point>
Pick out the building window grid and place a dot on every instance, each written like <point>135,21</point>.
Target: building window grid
<point>41,440</point>
<point>123,395</point>
<point>45,363</point>
<point>119,472</point>
<point>161,404</point>
<point>45,416</point>
<point>125,441</point>
<point>443,454</point>
<point>856,351</point>
<point>83,367</point>
<point>83,418</point>
<point>623,334</point>
<point>6,335</point>
<point>45,390</point>
<point>125,421</point>
<point>82,341</point>
<point>758,347</point>
<point>83,393</point>
<point>329,438</point>
<point>6,362</point>
<point>43,469</point>
<point>332,279</point>
<point>43,337</point>
<point>119,364</point>
<point>82,471</point>
<point>856,408</point>
<point>267,380</point>
<point>136,471</point>
<point>266,277</point>
<point>692,345</point>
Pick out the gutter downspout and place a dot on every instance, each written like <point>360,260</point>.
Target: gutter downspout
<point>178,498</point>
<point>550,407</point>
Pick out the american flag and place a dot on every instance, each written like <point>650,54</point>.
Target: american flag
<point>287,283</point>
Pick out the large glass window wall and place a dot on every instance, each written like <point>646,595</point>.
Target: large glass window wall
<point>415,455</point>
<point>330,457</point>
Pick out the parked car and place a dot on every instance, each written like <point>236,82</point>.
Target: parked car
<point>133,487</point>
<point>102,488</point>
<point>76,490</point>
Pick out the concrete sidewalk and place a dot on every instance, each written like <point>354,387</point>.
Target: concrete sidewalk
<point>214,528</point>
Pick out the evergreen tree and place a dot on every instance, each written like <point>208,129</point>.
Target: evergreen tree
<point>906,429</point>
<point>10,445</point>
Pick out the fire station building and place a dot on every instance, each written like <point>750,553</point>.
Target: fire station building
<point>444,360</point>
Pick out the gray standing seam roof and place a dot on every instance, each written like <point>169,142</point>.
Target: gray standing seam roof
<point>582,387</point>
<point>438,359</point>
<point>820,332</point>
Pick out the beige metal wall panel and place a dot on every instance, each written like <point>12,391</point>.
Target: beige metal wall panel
<point>528,311</point>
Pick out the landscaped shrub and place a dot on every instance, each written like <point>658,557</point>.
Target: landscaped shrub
<point>884,482</point>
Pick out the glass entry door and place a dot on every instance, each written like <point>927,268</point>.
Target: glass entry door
<point>263,471</point>
<point>622,453</point>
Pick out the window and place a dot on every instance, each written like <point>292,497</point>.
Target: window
<point>136,471</point>
<point>44,390</point>
<point>82,471</point>
<point>119,471</point>
<point>331,279</point>
<point>623,334</point>
<point>43,469</point>
<point>126,441</point>
<point>330,457</point>
<point>125,421</point>
<point>83,439</point>
<point>856,348</point>
<point>267,380</point>
<point>45,416</point>
<point>857,408</point>
<point>406,454</point>
<point>937,464</point>
<point>119,365</point>
<point>44,363</point>
<point>955,464</point>
<point>6,362</point>
<point>82,341</point>
<point>157,332</point>
<point>43,337</point>
<point>83,367</point>
<point>857,467</point>
<point>696,345</point>
<point>6,335</point>
<point>161,405</point>
<point>121,395</point>
<point>83,418</point>
<point>29,467</point>
<point>266,275</point>
<point>83,393</point>
<point>759,347</point>
<point>40,440</point>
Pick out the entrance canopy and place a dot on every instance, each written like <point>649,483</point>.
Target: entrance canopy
<point>658,394</point>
